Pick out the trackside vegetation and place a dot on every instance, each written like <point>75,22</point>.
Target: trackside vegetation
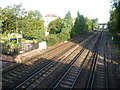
<point>15,19</point>
<point>114,22</point>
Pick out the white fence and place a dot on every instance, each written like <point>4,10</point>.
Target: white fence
<point>42,45</point>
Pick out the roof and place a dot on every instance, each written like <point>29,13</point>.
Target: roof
<point>51,15</point>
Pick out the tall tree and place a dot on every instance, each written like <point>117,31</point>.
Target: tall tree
<point>114,23</point>
<point>11,18</point>
<point>94,23</point>
<point>67,25</point>
<point>1,20</point>
<point>80,25</point>
<point>17,20</point>
<point>55,26</point>
<point>76,28</point>
<point>89,24</point>
<point>34,26</point>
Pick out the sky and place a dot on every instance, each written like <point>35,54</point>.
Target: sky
<point>88,8</point>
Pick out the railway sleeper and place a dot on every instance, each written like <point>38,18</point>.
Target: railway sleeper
<point>74,68</point>
<point>100,83</point>
<point>72,74</point>
<point>40,79</point>
<point>23,86</point>
<point>8,77</point>
<point>27,83</point>
<point>100,72</point>
<point>48,72</point>
<point>4,80</point>
<point>63,86</point>
<point>31,86</point>
<point>16,72</point>
<point>45,75</point>
<point>12,74</point>
<point>100,78</point>
<point>99,86</point>
<point>69,79</point>
<point>66,83</point>
<point>35,83</point>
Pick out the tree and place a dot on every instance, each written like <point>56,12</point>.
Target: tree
<point>114,23</point>
<point>34,27</point>
<point>94,23</point>
<point>67,25</point>
<point>80,25</point>
<point>55,26</point>
<point>9,19</point>
<point>12,17</point>
<point>1,20</point>
<point>89,24</point>
<point>17,20</point>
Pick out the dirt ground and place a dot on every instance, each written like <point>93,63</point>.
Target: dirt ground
<point>116,62</point>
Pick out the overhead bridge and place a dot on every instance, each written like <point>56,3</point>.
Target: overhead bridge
<point>102,25</point>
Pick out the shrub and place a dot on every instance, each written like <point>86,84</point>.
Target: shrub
<point>52,39</point>
<point>63,36</point>
<point>117,40</point>
<point>5,48</point>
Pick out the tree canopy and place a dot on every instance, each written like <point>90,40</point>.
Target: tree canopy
<point>94,23</point>
<point>55,26</point>
<point>17,20</point>
<point>67,23</point>
<point>81,25</point>
<point>114,22</point>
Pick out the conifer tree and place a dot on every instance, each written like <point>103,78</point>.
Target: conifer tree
<point>67,25</point>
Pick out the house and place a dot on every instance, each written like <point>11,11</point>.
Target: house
<point>48,18</point>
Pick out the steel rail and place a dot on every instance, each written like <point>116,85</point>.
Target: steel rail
<point>54,85</point>
<point>32,72</point>
<point>96,47</point>
<point>33,75</point>
<point>105,64</point>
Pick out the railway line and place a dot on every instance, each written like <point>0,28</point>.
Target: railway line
<point>100,79</point>
<point>82,64</point>
<point>43,73</point>
<point>68,79</point>
<point>14,74</point>
<point>32,83</point>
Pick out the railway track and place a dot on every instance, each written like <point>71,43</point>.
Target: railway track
<point>98,77</point>
<point>8,68</point>
<point>10,78</point>
<point>81,65</point>
<point>68,78</point>
<point>33,81</point>
<point>23,70</point>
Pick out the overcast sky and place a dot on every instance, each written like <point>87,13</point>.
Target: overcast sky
<point>89,8</point>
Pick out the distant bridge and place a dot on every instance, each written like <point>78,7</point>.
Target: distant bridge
<point>102,25</point>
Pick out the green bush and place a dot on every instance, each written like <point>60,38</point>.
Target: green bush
<point>52,39</point>
<point>117,40</point>
<point>10,49</point>
<point>63,36</point>
<point>5,48</point>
